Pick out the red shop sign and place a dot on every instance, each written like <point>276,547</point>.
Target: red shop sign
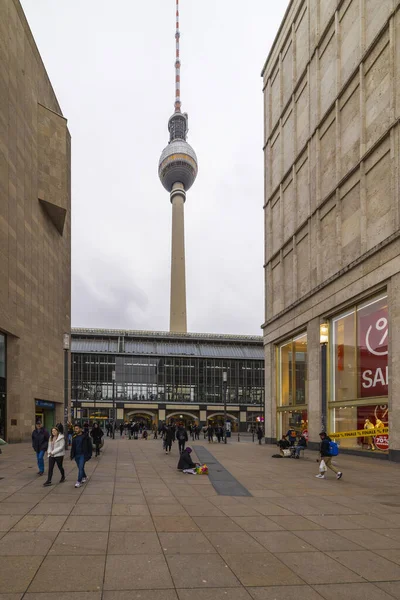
<point>382,442</point>
<point>373,352</point>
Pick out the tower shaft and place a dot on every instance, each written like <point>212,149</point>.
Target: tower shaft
<point>178,272</point>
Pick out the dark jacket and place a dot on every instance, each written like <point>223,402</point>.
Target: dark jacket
<point>260,433</point>
<point>302,442</point>
<point>96,434</point>
<point>40,439</point>
<point>169,434</point>
<point>185,461</point>
<point>324,447</point>
<point>181,434</point>
<point>87,448</point>
<point>283,444</point>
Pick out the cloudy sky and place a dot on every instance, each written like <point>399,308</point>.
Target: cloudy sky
<point>112,68</point>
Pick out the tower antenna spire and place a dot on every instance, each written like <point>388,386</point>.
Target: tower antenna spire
<point>177,64</point>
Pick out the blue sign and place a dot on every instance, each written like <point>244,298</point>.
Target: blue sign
<point>45,404</point>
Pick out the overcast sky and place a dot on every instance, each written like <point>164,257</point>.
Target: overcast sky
<point>112,68</point>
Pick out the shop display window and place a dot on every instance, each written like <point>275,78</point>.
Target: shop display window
<point>293,419</point>
<point>293,372</point>
<point>362,418</point>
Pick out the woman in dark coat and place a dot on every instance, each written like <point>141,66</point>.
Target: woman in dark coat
<point>96,434</point>
<point>169,437</point>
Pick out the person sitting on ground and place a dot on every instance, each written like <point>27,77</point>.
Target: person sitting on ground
<point>283,444</point>
<point>301,445</point>
<point>185,460</point>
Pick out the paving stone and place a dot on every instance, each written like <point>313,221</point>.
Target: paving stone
<point>16,572</point>
<point>141,571</point>
<point>131,524</point>
<point>295,523</point>
<point>284,592</point>
<point>171,524</point>
<point>317,568</point>
<point>63,596</point>
<point>185,543</point>
<point>10,596</point>
<point>169,510</point>
<point>327,540</point>
<point>85,509</point>
<point>259,523</point>
<point>23,543</point>
<point>214,594</point>
<point>391,587</point>
<point>81,573</point>
<point>140,595</point>
<point>369,565</point>
<point>261,569</point>
<point>282,541</point>
<point>8,521</point>
<point>88,523</point>
<point>206,570</point>
<point>18,508</point>
<point>52,508</point>
<point>78,542</point>
<point>370,539</point>
<point>234,542</point>
<point>334,522</point>
<point>130,510</point>
<point>133,543</point>
<point>352,591</point>
<point>216,524</point>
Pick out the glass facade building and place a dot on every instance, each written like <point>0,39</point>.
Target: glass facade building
<point>163,369</point>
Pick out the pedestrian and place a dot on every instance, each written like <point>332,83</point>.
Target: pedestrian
<point>96,434</point>
<point>197,432</point>
<point>219,432</point>
<point>291,436</point>
<point>210,433</point>
<point>205,430</point>
<point>169,437</point>
<point>40,442</point>
<point>81,451</point>
<point>260,434</point>
<point>55,454</point>
<point>108,429</point>
<point>182,437</point>
<point>326,455</point>
<point>70,430</point>
<point>86,427</point>
<point>144,434</point>
<point>121,429</point>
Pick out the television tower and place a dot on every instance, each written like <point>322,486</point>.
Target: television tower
<point>177,170</point>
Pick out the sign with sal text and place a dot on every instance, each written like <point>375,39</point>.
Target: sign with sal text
<point>373,331</point>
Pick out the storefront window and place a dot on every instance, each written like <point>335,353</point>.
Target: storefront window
<point>360,352</point>
<point>359,358</point>
<point>293,372</point>
<point>294,419</point>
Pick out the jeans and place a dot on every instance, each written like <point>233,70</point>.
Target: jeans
<point>80,462</point>
<point>52,461</point>
<point>40,461</point>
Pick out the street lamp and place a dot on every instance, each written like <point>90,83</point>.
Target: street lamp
<point>224,386</point>
<point>113,394</point>
<point>323,340</point>
<point>66,346</point>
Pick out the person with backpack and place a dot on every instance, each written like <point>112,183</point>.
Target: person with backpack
<point>182,437</point>
<point>328,450</point>
<point>291,436</point>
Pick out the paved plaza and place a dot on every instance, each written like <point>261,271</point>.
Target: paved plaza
<point>139,529</point>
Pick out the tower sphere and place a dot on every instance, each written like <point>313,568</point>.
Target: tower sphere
<point>178,164</point>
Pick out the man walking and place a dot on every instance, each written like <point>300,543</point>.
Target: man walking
<point>326,456</point>
<point>81,451</point>
<point>182,437</point>
<point>40,442</point>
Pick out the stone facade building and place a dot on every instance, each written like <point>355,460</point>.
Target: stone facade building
<point>332,235</point>
<point>35,233</point>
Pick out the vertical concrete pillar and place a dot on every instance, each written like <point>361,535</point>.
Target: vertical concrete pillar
<point>394,367</point>
<point>314,383</point>
<point>178,272</point>
<point>270,394</point>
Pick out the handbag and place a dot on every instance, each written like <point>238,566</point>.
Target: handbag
<point>286,452</point>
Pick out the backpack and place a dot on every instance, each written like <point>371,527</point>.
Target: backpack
<point>333,448</point>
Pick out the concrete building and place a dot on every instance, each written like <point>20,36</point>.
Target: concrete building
<point>158,376</point>
<point>177,170</point>
<point>35,233</point>
<point>332,236</point>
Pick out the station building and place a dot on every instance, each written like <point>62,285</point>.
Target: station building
<point>332,224</point>
<point>158,376</point>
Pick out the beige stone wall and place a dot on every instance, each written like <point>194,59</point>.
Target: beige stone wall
<point>35,225</point>
<point>332,103</point>
<point>332,108</point>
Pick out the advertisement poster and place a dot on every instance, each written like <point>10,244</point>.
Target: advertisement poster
<point>373,349</point>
